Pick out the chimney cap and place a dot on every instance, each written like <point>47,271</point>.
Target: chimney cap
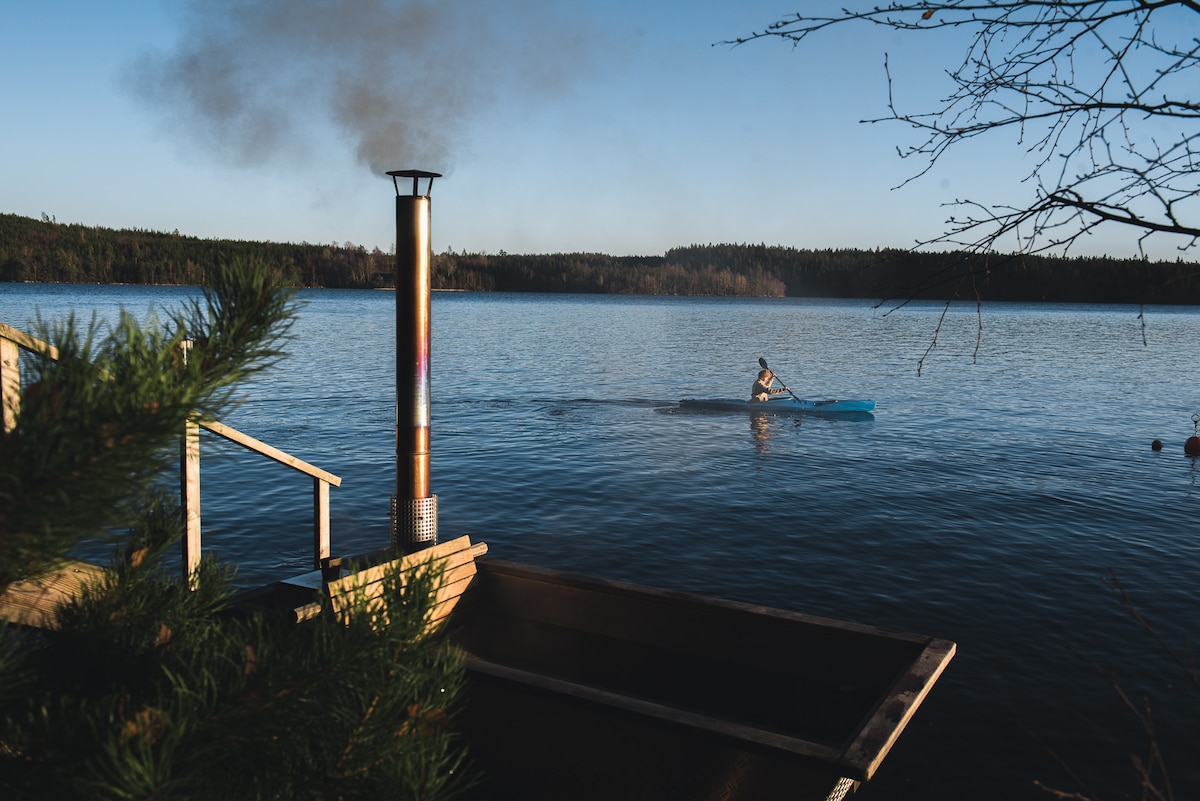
<point>415,175</point>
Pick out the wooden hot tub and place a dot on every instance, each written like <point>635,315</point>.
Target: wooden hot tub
<point>583,688</point>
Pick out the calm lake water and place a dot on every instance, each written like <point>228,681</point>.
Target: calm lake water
<point>984,502</point>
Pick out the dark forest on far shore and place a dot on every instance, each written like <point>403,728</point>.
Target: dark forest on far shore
<point>46,251</point>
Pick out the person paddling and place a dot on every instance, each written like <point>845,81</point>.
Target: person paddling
<point>762,389</point>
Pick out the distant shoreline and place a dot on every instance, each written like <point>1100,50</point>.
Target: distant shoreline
<point>40,251</point>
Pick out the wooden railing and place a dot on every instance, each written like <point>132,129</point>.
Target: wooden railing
<point>11,343</point>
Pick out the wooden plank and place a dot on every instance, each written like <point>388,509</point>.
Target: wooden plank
<point>307,612</point>
<point>189,500</point>
<point>456,566</point>
<point>448,597</point>
<point>27,342</point>
<point>454,580</point>
<point>321,534</point>
<point>456,560</point>
<point>376,573</point>
<point>35,601</point>
<point>10,383</point>
<point>258,446</point>
<point>878,734</point>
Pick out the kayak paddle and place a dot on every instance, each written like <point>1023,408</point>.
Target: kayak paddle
<point>763,363</point>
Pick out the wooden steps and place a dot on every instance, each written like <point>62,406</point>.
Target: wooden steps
<point>456,560</point>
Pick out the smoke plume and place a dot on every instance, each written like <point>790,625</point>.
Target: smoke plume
<point>257,80</point>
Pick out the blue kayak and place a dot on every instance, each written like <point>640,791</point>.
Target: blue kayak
<point>782,404</point>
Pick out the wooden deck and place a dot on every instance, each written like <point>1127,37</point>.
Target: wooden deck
<point>34,602</point>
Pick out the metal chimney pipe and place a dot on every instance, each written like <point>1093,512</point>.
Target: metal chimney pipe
<point>414,508</point>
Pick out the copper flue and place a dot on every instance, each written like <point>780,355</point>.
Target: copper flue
<point>414,507</point>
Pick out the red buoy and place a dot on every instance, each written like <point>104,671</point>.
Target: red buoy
<point>1192,446</point>
<point>1156,445</point>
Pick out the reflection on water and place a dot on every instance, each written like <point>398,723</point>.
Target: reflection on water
<point>760,425</point>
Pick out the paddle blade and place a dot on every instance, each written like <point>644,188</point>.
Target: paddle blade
<point>763,363</point>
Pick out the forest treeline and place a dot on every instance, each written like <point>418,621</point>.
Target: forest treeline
<point>50,252</point>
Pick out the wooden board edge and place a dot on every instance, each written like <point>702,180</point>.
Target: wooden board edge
<point>877,736</point>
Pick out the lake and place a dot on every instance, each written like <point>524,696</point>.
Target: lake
<point>985,501</point>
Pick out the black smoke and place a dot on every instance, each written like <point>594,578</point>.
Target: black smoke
<point>397,80</point>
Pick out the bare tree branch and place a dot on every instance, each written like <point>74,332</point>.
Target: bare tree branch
<point>1101,95</point>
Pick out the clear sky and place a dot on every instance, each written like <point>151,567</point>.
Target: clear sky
<point>613,126</point>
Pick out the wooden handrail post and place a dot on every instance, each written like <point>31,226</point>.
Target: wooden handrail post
<point>10,382</point>
<point>321,549</point>
<point>189,490</point>
<point>189,497</point>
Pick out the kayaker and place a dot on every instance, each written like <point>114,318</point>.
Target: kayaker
<point>762,390</point>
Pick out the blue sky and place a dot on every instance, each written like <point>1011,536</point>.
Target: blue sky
<point>599,125</point>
